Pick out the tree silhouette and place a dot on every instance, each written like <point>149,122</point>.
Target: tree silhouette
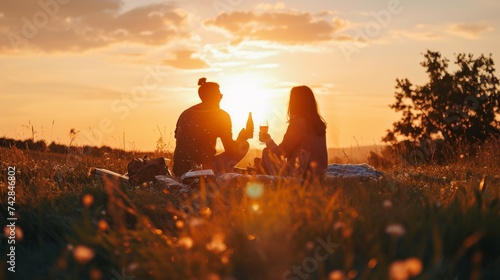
<point>460,107</point>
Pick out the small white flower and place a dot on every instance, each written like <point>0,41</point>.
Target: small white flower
<point>395,230</point>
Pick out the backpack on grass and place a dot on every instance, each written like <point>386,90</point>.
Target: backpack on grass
<point>145,169</point>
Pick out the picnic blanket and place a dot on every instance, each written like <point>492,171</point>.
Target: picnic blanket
<point>361,171</point>
<point>333,172</point>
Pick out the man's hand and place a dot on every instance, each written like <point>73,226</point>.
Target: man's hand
<point>245,135</point>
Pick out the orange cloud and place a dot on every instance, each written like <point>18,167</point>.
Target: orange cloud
<point>416,35</point>
<point>184,60</point>
<point>64,25</point>
<point>424,32</point>
<point>289,28</point>
<point>469,30</point>
<point>60,8</point>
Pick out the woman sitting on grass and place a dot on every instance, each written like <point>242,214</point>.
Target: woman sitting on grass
<point>302,153</point>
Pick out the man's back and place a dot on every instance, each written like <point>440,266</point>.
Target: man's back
<point>196,136</point>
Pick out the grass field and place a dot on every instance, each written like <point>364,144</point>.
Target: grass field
<point>426,222</point>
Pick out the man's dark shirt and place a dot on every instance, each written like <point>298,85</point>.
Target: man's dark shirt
<point>196,136</point>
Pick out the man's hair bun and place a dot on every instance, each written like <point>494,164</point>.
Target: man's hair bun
<point>201,81</point>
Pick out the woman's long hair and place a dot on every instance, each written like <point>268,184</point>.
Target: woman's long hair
<point>303,104</point>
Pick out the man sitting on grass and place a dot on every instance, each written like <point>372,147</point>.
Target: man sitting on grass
<point>197,131</point>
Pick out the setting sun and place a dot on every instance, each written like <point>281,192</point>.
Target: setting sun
<point>248,93</point>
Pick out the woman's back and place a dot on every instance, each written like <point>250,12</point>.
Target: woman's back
<point>301,140</point>
<point>304,143</point>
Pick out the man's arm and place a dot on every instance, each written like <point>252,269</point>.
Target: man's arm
<point>226,135</point>
<point>231,146</point>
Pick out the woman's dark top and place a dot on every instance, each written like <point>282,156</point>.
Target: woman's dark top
<point>299,139</point>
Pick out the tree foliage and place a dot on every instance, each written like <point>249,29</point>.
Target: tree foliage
<point>457,107</point>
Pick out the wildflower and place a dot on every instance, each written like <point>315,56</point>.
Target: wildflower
<point>103,225</point>
<point>195,222</point>
<point>395,230</point>
<point>336,275</point>
<point>387,204</point>
<point>179,224</point>
<point>133,266</point>
<point>255,207</point>
<point>185,242</point>
<point>372,263</point>
<point>347,232</point>
<point>206,211</point>
<point>254,190</point>
<point>213,276</point>
<point>414,266</point>
<point>87,200</point>
<point>95,274</point>
<point>354,214</point>
<point>338,225</point>
<point>18,231</point>
<point>224,259</point>
<point>83,254</point>
<point>404,269</point>
<point>217,244</point>
<point>352,274</point>
<point>309,245</point>
<point>397,271</point>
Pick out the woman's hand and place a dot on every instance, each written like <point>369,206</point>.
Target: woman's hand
<point>264,137</point>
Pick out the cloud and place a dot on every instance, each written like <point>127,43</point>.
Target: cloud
<point>61,8</point>
<point>283,27</point>
<point>270,6</point>
<point>424,32</point>
<point>265,66</point>
<point>421,32</point>
<point>49,26</point>
<point>184,59</point>
<point>415,35</point>
<point>469,30</point>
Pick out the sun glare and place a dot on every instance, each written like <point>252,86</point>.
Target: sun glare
<point>243,94</point>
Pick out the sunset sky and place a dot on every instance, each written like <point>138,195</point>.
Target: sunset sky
<point>110,68</point>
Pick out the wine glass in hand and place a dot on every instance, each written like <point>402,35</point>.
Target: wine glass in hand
<point>264,131</point>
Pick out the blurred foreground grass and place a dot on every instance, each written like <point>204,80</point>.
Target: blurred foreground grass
<point>428,222</point>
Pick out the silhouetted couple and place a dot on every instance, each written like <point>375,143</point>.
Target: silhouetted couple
<point>302,153</point>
